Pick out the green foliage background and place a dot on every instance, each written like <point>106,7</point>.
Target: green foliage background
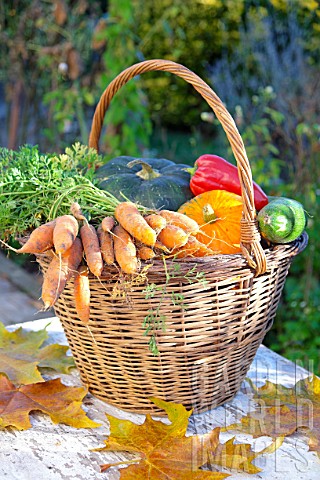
<point>261,57</point>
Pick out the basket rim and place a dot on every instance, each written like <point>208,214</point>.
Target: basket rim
<point>227,261</point>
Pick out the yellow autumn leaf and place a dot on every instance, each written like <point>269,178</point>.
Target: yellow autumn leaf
<point>60,402</point>
<point>282,411</point>
<point>21,355</point>
<point>163,452</point>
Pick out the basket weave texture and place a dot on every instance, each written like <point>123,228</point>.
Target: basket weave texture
<point>212,334</point>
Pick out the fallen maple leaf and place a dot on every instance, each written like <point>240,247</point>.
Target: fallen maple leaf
<point>163,451</point>
<point>21,356</point>
<point>239,456</point>
<point>282,411</point>
<point>61,403</point>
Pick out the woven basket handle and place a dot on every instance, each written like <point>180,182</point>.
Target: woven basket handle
<point>250,236</point>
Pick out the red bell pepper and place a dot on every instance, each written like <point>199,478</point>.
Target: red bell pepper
<point>215,173</point>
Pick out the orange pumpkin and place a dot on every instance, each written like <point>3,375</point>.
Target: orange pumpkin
<point>218,213</point>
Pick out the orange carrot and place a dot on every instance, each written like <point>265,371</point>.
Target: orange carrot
<point>60,270</point>
<point>186,250</point>
<point>158,245</point>
<point>145,253</point>
<point>91,248</point>
<point>193,248</point>
<point>40,240</point>
<point>82,293</point>
<point>107,224</point>
<point>129,217</point>
<point>74,255</point>
<point>106,245</point>
<point>54,281</point>
<point>204,251</point>
<point>173,237</point>
<point>180,220</point>
<point>156,222</point>
<point>124,250</point>
<point>76,211</point>
<point>64,233</point>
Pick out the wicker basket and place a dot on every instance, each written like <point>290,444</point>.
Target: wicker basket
<point>212,336</point>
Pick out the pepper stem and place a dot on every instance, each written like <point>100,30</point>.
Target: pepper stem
<point>208,213</point>
<point>191,170</point>
<point>146,172</point>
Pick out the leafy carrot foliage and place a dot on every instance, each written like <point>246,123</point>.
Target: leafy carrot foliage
<point>36,187</point>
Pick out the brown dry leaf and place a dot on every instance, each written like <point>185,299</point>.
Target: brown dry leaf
<point>74,63</point>
<point>282,411</point>
<point>80,7</point>
<point>60,12</point>
<point>21,356</point>
<point>163,451</point>
<point>99,37</point>
<point>61,403</point>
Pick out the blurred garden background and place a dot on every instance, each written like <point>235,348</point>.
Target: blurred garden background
<point>262,57</point>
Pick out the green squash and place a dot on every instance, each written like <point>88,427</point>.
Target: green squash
<point>156,183</point>
<point>282,220</point>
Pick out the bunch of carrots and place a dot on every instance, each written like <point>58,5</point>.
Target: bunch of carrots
<point>77,247</point>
